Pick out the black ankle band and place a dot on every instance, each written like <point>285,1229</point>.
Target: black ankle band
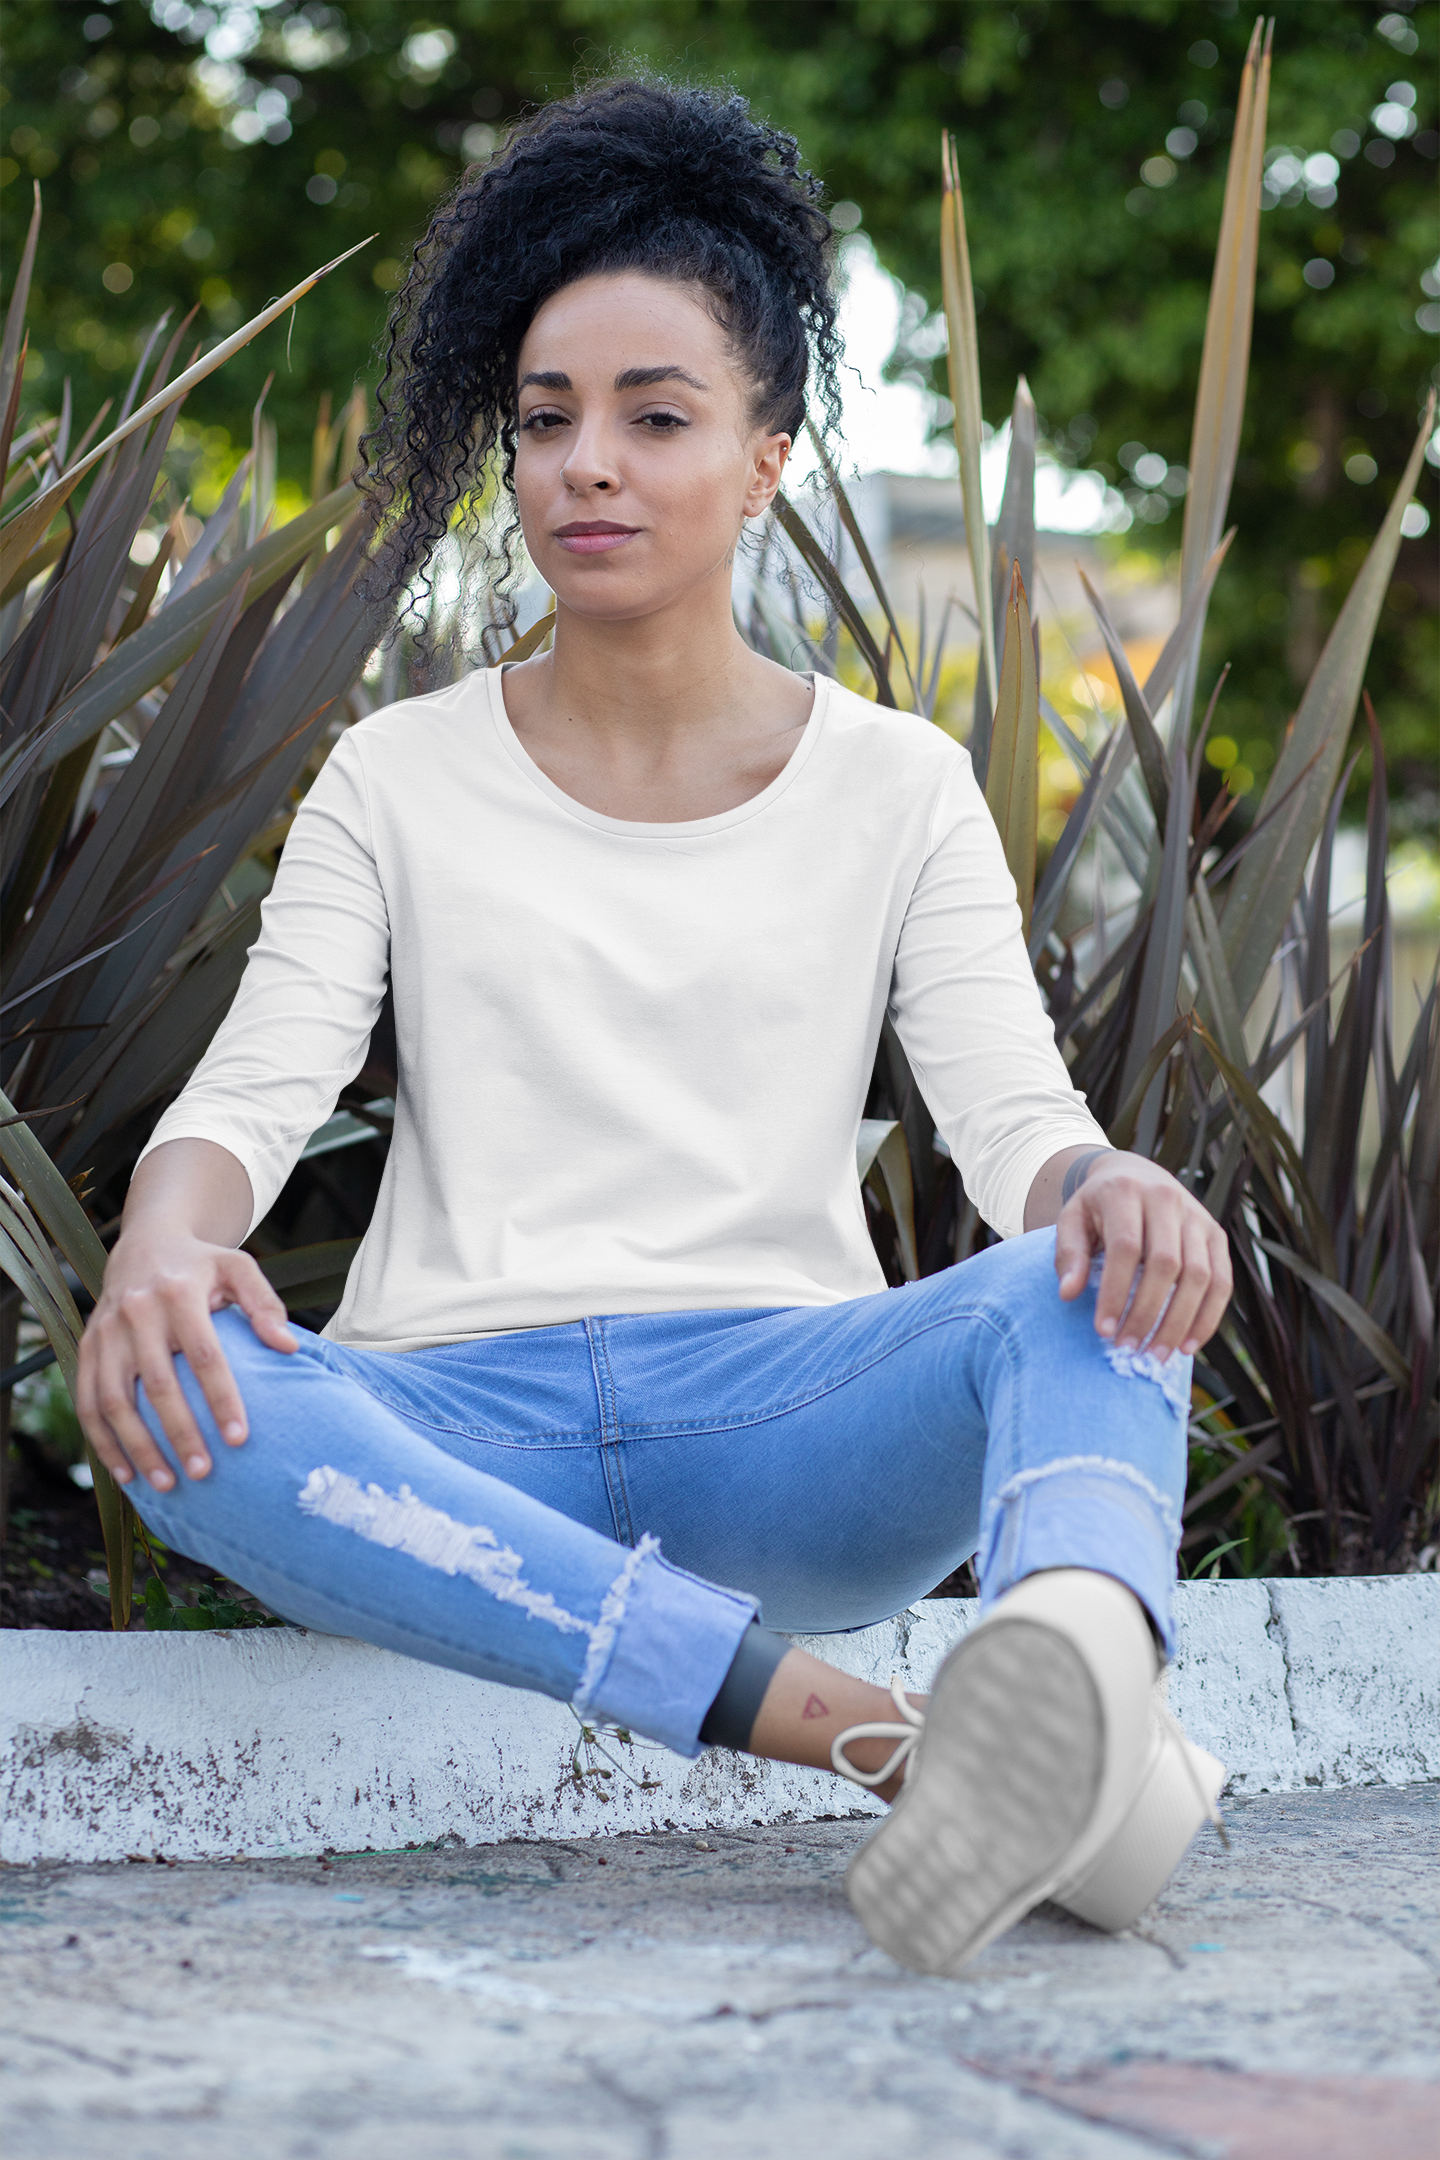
<point>731,1717</point>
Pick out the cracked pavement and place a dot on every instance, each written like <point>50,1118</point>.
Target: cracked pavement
<point>684,1996</point>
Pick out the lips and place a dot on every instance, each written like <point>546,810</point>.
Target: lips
<point>594,536</point>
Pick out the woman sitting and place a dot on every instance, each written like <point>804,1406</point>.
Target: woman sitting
<point>616,1371</point>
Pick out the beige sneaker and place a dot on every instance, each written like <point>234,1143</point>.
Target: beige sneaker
<point>1031,1754</point>
<point>1178,1793</point>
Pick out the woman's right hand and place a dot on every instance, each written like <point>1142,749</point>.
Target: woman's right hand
<point>162,1283</point>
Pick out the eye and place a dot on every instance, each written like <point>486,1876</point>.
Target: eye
<point>662,423</point>
<point>542,422</point>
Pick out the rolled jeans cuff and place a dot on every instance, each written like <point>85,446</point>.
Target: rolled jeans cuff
<point>1084,1512</point>
<point>674,1639</point>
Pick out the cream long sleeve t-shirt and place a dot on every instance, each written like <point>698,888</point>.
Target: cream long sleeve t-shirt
<point>633,1057</point>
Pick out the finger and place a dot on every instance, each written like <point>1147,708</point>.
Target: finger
<point>146,1315</point>
<point>194,1332</point>
<point>1192,1287</point>
<point>1212,1311</point>
<point>1116,1215</point>
<point>155,1340</point>
<point>87,1409</point>
<point>1072,1249</point>
<point>1163,1254</point>
<point>260,1302</point>
<point>116,1376</point>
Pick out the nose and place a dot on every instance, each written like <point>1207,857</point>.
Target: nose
<point>589,467</point>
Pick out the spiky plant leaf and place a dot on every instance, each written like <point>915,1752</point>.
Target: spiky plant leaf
<point>14,336</point>
<point>531,640</point>
<point>1050,895</point>
<point>25,528</point>
<point>1121,1129</point>
<point>51,1198</point>
<point>820,566</point>
<point>1354,1315</point>
<point>1265,886</point>
<point>167,640</point>
<point>26,1258</point>
<point>1012,547</point>
<point>1158,992</point>
<point>963,361</point>
<point>1225,358</point>
<point>861,545</point>
<point>1012,786</point>
<point>882,1161</point>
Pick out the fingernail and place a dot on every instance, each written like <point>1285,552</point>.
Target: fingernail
<point>161,1480</point>
<point>197,1465</point>
<point>1189,1347</point>
<point>1106,1327</point>
<point>122,1477</point>
<point>234,1432</point>
<point>1128,1342</point>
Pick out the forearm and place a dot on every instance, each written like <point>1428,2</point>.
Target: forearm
<point>1057,1181</point>
<point>193,1188</point>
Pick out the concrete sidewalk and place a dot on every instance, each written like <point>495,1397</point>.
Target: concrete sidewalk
<point>698,1995</point>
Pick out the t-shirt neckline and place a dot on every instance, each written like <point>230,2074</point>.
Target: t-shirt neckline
<point>639,829</point>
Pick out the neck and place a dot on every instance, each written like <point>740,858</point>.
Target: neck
<point>676,671</point>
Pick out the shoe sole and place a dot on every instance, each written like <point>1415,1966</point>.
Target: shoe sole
<point>1002,1786</point>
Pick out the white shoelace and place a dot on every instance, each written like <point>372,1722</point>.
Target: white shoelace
<point>905,1736</point>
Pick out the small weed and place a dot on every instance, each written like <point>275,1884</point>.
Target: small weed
<point>1211,1561</point>
<point>212,1609</point>
<point>592,1771</point>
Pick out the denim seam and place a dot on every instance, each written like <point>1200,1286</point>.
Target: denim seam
<point>570,1439</point>
<point>600,1374</point>
<point>699,1427</point>
<point>612,1429</point>
<point>1103,1465</point>
<point>564,1437</point>
<point>553,1442</point>
<point>609,1432</point>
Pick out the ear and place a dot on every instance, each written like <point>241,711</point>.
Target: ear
<point>770,455</point>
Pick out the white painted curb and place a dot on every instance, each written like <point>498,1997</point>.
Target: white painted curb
<point>270,1742</point>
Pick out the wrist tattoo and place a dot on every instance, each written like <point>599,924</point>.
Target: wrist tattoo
<point>1077,1173</point>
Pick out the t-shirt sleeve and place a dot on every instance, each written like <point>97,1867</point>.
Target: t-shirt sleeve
<point>966,1007</point>
<point>313,985</point>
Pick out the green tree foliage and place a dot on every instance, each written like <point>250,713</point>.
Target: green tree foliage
<point>209,154</point>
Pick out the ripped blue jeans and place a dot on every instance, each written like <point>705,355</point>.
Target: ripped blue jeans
<point>499,1506</point>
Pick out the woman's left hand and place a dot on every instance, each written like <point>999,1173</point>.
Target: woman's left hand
<point>1143,1220</point>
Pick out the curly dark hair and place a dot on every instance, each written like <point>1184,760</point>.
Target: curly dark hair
<point>636,174</point>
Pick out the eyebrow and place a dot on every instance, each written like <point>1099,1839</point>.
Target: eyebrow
<point>635,378</point>
<point>642,378</point>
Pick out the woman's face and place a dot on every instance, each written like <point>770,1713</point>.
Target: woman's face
<point>637,462</point>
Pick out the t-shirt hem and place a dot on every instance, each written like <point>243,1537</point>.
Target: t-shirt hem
<point>394,1345</point>
<point>1009,1216</point>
